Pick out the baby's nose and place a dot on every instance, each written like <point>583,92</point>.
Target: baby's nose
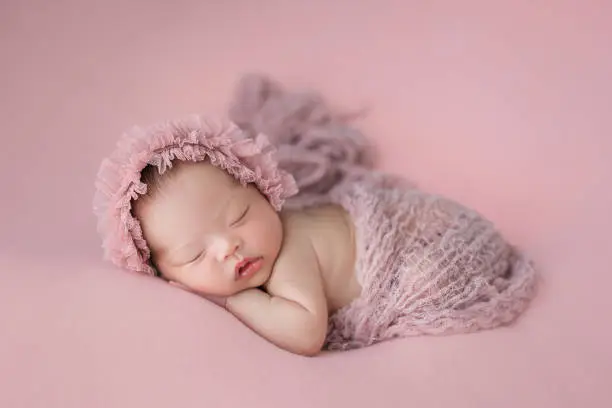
<point>227,248</point>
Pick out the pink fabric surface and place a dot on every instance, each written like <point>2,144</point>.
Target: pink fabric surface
<point>501,105</point>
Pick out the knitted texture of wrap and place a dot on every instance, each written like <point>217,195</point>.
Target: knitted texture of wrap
<point>426,264</point>
<point>314,144</point>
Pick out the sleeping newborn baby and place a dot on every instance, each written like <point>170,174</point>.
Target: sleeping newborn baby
<point>300,239</point>
<point>281,273</point>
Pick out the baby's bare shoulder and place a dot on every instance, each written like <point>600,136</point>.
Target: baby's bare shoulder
<point>296,274</point>
<point>317,224</point>
<point>297,256</point>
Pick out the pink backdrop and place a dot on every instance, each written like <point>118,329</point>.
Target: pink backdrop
<point>502,105</point>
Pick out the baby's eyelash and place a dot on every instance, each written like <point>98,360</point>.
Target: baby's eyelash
<point>198,256</point>
<point>241,216</point>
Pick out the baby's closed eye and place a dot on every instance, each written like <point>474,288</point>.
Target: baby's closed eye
<point>197,257</point>
<point>241,216</point>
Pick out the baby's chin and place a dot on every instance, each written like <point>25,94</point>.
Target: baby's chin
<point>258,280</point>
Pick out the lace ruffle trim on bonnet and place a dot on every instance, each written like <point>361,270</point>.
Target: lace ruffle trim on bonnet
<point>196,138</point>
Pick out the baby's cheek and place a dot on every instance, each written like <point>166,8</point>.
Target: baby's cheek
<point>267,230</point>
<point>211,283</point>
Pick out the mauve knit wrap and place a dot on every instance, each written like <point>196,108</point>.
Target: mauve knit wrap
<point>426,264</point>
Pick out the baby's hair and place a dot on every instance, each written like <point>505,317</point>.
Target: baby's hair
<point>151,177</point>
<point>154,180</point>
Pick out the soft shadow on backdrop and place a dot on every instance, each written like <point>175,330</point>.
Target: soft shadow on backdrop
<point>501,105</point>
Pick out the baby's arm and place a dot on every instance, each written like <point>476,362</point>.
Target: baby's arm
<point>294,313</point>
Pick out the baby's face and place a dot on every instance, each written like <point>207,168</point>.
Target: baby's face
<point>209,233</point>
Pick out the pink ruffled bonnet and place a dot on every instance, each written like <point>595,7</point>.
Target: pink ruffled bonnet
<point>196,138</point>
